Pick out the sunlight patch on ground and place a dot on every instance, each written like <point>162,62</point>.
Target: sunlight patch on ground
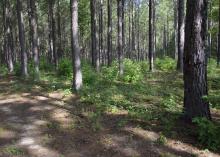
<point>180,146</point>
<point>145,134</point>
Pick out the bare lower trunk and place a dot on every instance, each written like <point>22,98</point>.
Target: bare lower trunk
<point>181,33</point>
<point>34,33</point>
<point>195,65</point>
<point>22,39</point>
<point>77,80</point>
<point>151,33</point>
<point>8,36</point>
<point>109,52</point>
<point>120,39</point>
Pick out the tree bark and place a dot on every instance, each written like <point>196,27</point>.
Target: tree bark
<point>59,32</point>
<point>34,32</point>
<point>94,34</point>
<point>24,68</point>
<point>77,80</point>
<point>101,32</point>
<point>52,35</point>
<point>109,53</point>
<point>218,53</point>
<point>175,3</point>
<point>120,39</point>
<point>132,26</point>
<point>8,36</point>
<point>181,34</point>
<point>151,33</point>
<point>195,65</point>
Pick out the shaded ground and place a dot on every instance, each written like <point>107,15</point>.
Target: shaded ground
<point>38,123</point>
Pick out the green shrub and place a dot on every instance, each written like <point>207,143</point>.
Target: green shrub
<point>3,70</point>
<point>89,74</point>
<point>65,67</point>
<point>162,140</point>
<point>133,71</point>
<point>208,133</point>
<point>110,73</point>
<point>169,103</point>
<point>165,64</point>
<point>45,65</point>
<point>17,69</point>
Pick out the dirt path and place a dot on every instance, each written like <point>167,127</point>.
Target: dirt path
<point>34,124</point>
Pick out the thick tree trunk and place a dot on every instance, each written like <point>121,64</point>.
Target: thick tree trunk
<point>52,34</point>
<point>181,33</point>
<point>101,51</point>
<point>154,31</point>
<point>175,3</point>
<point>109,53</point>
<point>22,39</point>
<point>8,37</point>
<point>133,26</point>
<point>138,30</point>
<point>77,80</point>
<point>59,32</point>
<point>120,39</point>
<point>123,26</point>
<point>195,65</point>
<point>129,31</point>
<point>94,35</point>
<point>34,32</point>
<point>164,41</point>
<point>218,53</point>
<point>151,33</point>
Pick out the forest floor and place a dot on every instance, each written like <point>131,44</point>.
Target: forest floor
<point>42,119</point>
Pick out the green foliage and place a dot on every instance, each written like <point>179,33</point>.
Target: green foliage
<point>89,74</point>
<point>162,140</point>
<point>14,151</point>
<point>110,73</point>
<point>166,64</point>
<point>94,117</point>
<point>3,70</point>
<point>45,65</point>
<point>133,71</point>
<point>65,68</point>
<point>208,133</point>
<point>169,103</point>
<point>17,69</point>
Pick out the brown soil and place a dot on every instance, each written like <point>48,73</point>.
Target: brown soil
<point>38,124</point>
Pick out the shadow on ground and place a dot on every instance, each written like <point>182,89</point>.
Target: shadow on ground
<point>38,123</point>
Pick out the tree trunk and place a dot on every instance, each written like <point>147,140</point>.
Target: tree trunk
<point>8,37</point>
<point>151,32</point>
<point>132,26</point>
<point>129,31</point>
<point>109,53</point>
<point>120,39</point>
<point>77,80</point>
<point>181,33</point>
<point>138,30</point>
<point>22,39</point>
<point>94,35</point>
<point>101,32</point>
<point>59,32</point>
<point>195,65</point>
<point>34,32</point>
<point>154,30</point>
<point>218,53</point>
<point>175,3</point>
<point>52,35</point>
